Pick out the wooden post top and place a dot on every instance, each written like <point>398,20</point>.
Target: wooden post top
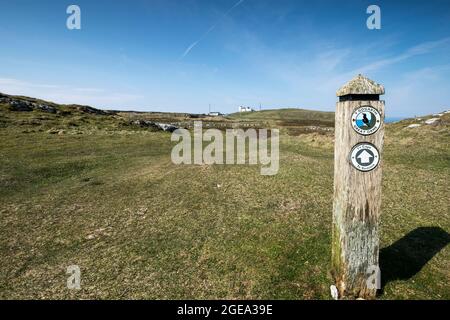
<point>360,88</point>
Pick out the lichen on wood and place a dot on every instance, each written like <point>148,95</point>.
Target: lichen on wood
<point>360,85</point>
<point>356,207</point>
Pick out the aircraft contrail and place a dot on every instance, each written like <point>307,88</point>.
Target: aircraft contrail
<point>186,52</point>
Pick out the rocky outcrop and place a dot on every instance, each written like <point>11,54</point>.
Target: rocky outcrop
<point>24,104</point>
<point>145,124</point>
<point>21,104</point>
<point>166,127</point>
<point>433,121</point>
<point>46,108</point>
<point>154,125</point>
<point>91,110</point>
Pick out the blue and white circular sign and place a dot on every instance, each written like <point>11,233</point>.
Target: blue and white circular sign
<point>365,156</point>
<point>366,120</point>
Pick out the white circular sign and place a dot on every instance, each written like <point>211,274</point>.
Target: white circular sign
<point>366,120</point>
<point>365,157</point>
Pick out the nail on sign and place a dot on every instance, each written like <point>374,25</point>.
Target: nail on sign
<point>364,157</point>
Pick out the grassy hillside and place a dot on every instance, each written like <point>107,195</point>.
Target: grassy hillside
<point>284,114</point>
<point>287,117</point>
<point>34,115</point>
<point>112,202</point>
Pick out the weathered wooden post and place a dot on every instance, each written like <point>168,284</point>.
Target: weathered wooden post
<point>359,137</point>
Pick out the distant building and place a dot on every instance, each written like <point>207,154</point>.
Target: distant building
<point>245,109</point>
<point>214,114</point>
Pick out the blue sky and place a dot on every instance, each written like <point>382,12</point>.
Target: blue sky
<point>183,55</point>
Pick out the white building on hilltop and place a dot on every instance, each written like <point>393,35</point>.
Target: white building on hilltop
<point>245,109</point>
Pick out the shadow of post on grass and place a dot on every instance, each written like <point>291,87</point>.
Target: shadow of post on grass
<point>408,255</point>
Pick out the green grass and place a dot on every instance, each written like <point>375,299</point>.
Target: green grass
<point>285,114</point>
<point>111,201</point>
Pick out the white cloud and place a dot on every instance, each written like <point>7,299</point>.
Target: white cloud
<point>420,92</point>
<point>420,49</point>
<point>312,76</point>
<point>64,94</point>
